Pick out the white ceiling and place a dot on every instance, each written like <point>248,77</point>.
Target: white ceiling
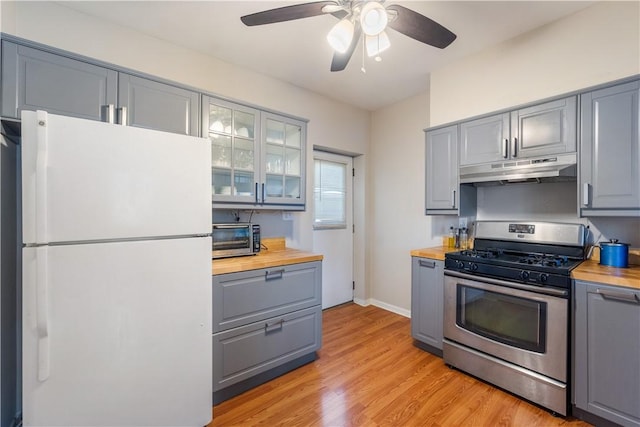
<point>297,51</point>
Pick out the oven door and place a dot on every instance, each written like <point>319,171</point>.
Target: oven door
<point>522,324</point>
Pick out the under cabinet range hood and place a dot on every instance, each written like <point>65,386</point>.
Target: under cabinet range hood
<point>560,167</point>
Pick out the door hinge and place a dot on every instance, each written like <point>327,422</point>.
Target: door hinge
<point>353,171</point>
<point>354,285</point>
<point>353,228</point>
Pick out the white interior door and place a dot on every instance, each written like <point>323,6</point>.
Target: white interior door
<point>333,225</point>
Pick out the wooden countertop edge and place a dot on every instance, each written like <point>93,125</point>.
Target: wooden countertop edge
<point>589,270</point>
<point>265,259</point>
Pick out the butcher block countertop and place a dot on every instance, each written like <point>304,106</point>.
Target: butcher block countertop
<point>276,255</point>
<point>589,270</point>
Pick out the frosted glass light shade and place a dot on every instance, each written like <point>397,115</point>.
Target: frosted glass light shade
<point>377,44</point>
<point>373,18</point>
<point>340,36</point>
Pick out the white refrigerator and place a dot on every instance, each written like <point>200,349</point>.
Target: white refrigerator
<point>116,275</point>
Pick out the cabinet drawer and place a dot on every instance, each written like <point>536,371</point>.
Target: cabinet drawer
<point>252,296</point>
<point>241,353</point>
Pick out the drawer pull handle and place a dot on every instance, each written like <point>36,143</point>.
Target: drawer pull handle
<point>275,326</point>
<point>428,264</point>
<point>620,296</point>
<point>275,274</point>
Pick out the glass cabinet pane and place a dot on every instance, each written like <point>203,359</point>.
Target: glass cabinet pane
<point>274,186</point>
<point>292,162</point>
<point>221,181</point>
<point>292,187</point>
<point>220,150</point>
<point>293,135</point>
<point>275,132</point>
<point>243,124</point>
<point>244,184</point>
<point>274,159</point>
<point>219,119</point>
<point>243,154</point>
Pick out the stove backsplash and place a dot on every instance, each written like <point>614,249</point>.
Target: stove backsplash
<point>551,202</point>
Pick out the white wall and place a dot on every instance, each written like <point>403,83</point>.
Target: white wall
<point>331,123</point>
<point>595,45</point>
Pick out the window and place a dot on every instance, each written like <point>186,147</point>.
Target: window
<point>329,194</point>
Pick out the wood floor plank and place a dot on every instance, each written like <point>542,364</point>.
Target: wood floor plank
<point>370,374</point>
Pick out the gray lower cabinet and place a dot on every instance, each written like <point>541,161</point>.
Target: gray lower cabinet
<point>427,299</point>
<point>610,151</point>
<point>607,352</point>
<point>265,323</point>
<point>35,79</point>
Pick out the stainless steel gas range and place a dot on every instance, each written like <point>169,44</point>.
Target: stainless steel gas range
<point>506,312</point>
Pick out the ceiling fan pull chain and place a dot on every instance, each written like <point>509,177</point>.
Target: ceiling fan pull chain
<point>364,70</point>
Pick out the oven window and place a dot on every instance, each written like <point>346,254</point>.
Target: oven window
<point>515,321</point>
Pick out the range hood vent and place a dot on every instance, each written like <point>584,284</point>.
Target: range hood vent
<point>561,167</point>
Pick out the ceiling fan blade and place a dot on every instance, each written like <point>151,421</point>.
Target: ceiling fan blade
<point>420,28</point>
<point>340,60</point>
<point>287,13</point>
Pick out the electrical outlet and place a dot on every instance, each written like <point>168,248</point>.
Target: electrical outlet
<point>462,222</point>
<point>287,216</point>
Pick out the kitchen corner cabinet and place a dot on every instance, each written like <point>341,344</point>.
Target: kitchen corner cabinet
<point>258,158</point>
<point>443,194</point>
<point>607,351</point>
<point>34,79</point>
<point>609,172</point>
<point>427,300</point>
<point>538,130</point>
<point>265,322</point>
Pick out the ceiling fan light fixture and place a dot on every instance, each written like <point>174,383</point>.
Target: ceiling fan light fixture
<point>373,18</point>
<point>340,36</point>
<point>377,44</point>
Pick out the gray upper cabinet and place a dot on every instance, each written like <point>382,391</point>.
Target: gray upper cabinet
<point>442,170</point>
<point>610,151</point>
<point>258,158</point>
<point>33,79</point>
<point>484,140</point>
<point>443,194</point>
<point>606,352</point>
<point>159,106</point>
<point>539,130</point>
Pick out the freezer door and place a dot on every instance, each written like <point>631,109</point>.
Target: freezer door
<point>87,180</point>
<point>118,334</point>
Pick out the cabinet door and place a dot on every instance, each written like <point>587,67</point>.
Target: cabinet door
<point>484,140</point>
<point>283,159</point>
<point>610,151</point>
<point>159,106</point>
<point>427,288</point>
<point>607,351</point>
<point>251,296</point>
<point>442,170</point>
<point>241,353</point>
<point>36,80</point>
<point>544,129</point>
<point>235,156</point>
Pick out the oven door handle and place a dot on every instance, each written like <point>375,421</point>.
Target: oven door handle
<point>514,285</point>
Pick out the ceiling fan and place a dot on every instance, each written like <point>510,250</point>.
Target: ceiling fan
<point>356,17</point>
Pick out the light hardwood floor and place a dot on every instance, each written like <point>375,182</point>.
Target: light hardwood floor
<point>369,373</point>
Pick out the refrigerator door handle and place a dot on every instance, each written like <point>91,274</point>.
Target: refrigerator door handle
<point>42,312</point>
<point>41,177</point>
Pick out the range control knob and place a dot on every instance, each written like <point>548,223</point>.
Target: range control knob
<point>460,264</point>
<point>524,275</point>
<point>474,266</point>
<point>544,277</point>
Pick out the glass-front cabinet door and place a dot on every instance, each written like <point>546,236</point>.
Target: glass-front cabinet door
<point>232,129</point>
<point>283,145</point>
